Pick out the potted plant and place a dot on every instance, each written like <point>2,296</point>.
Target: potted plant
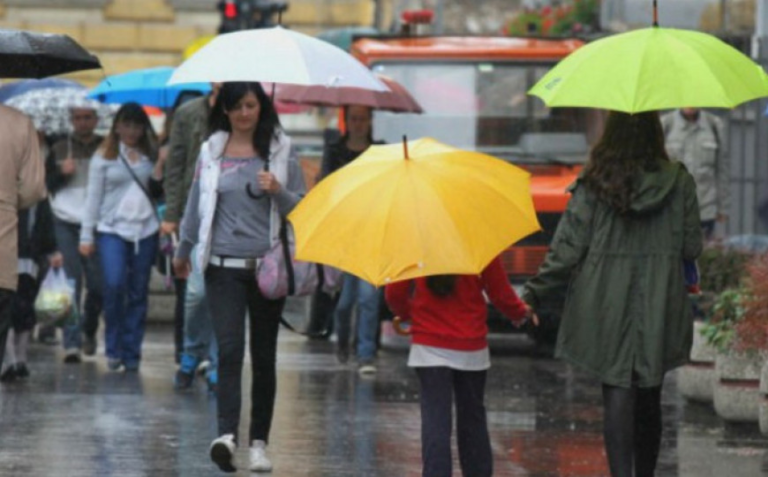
<point>720,269</point>
<point>739,332</point>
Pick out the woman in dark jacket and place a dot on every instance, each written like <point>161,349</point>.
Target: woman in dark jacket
<point>617,260</point>
<point>36,248</point>
<point>355,291</point>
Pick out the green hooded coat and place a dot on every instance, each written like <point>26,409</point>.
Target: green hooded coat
<point>619,282</point>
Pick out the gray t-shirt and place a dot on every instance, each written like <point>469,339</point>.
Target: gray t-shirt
<point>241,223</point>
<point>240,226</point>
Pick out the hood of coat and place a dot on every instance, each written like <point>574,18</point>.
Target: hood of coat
<point>653,188</point>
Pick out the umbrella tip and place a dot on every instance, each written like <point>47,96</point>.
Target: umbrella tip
<point>405,146</point>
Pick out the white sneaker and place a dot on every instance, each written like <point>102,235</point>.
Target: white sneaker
<point>367,368</point>
<point>223,452</point>
<point>259,460</point>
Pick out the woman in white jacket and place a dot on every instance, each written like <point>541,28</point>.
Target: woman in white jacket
<point>247,179</point>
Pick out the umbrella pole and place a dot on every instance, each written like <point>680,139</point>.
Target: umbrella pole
<point>405,146</point>
<point>655,13</point>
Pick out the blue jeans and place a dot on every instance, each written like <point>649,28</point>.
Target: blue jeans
<point>199,340</point>
<point>76,266</point>
<point>366,296</point>
<point>126,270</point>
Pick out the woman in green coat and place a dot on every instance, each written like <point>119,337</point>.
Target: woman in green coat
<point>615,270</point>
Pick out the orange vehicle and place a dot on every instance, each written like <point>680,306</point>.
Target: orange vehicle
<point>473,91</point>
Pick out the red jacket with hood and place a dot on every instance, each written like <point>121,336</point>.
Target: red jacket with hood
<point>457,321</point>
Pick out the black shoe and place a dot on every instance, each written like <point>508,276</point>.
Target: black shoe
<point>49,340</point>
<point>342,354</point>
<point>22,372</point>
<point>72,356</point>
<point>9,374</point>
<point>89,345</point>
<point>183,380</point>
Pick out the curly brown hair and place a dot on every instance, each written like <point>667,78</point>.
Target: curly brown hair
<point>630,144</point>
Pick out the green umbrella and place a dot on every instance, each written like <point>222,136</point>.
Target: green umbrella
<point>652,69</point>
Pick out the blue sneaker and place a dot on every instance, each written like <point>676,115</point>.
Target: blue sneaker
<point>185,376</point>
<point>131,367</point>
<point>213,381</point>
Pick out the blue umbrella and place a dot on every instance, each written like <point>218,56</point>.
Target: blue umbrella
<point>147,87</point>
<point>17,88</point>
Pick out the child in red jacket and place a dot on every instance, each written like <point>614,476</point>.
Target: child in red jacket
<point>449,351</point>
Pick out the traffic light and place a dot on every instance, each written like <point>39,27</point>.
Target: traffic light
<point>246,14</point>
<point>230,15</point>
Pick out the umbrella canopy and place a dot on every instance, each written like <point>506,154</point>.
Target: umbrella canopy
<point>10,90</point>
<point>441,210</point>
<point>193,47</point>
<point>145,86</point>
<point>274,55</point>
<point>397,99</point>
<point>26,54</point>
<point>653,69</point>
<point>49,108</point>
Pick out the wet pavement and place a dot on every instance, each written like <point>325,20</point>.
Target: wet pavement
<point>544,418</point>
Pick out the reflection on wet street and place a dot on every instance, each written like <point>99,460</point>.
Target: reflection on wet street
<point>544,418</point>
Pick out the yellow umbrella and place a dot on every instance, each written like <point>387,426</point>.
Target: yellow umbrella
<point>193,47</point>
<point>417,209</point>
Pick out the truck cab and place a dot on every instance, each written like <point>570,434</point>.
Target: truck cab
<point>473,92</point>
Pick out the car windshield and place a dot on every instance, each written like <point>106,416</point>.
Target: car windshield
<point>484,107</point>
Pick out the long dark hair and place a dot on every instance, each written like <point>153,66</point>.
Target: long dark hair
<point>630,145</point>
<point>228,98</point>
<point>131,113</point>
<point>441,285</point>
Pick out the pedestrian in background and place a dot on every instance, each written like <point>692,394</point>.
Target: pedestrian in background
<point>233,213</point>
<point>355,291</point>
<point>121,222</point>
<point>698,139</point>
<point>198,343</point>
<point>67,179</point>
<point>37,251</point>
<point>617,258</point>
<point>449,352</point>
<point>22,184</point>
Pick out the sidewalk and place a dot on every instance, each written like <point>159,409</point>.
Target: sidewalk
<point>545,419</point>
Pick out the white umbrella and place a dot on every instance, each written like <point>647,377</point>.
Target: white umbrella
<point>49,108</point>
<point>275,55</point>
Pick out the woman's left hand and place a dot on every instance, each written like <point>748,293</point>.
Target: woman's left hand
<point>268,182</point>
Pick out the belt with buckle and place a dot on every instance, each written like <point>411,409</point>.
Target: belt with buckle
<point>232,262</point>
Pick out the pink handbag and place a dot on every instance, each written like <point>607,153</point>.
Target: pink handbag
<point>279,274</point>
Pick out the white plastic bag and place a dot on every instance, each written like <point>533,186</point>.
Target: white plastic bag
<point>55,299</point>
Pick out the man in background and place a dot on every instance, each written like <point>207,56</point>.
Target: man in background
<point>698,139</point>
<point>67,180</point>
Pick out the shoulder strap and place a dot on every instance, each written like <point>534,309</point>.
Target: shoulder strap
<point>141,186</point>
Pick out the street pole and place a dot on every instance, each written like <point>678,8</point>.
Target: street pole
<point>439,20</point>
<point>724,16</point>
<point>760,40</point>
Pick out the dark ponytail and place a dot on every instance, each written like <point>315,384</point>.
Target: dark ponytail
<point>441,285</point>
